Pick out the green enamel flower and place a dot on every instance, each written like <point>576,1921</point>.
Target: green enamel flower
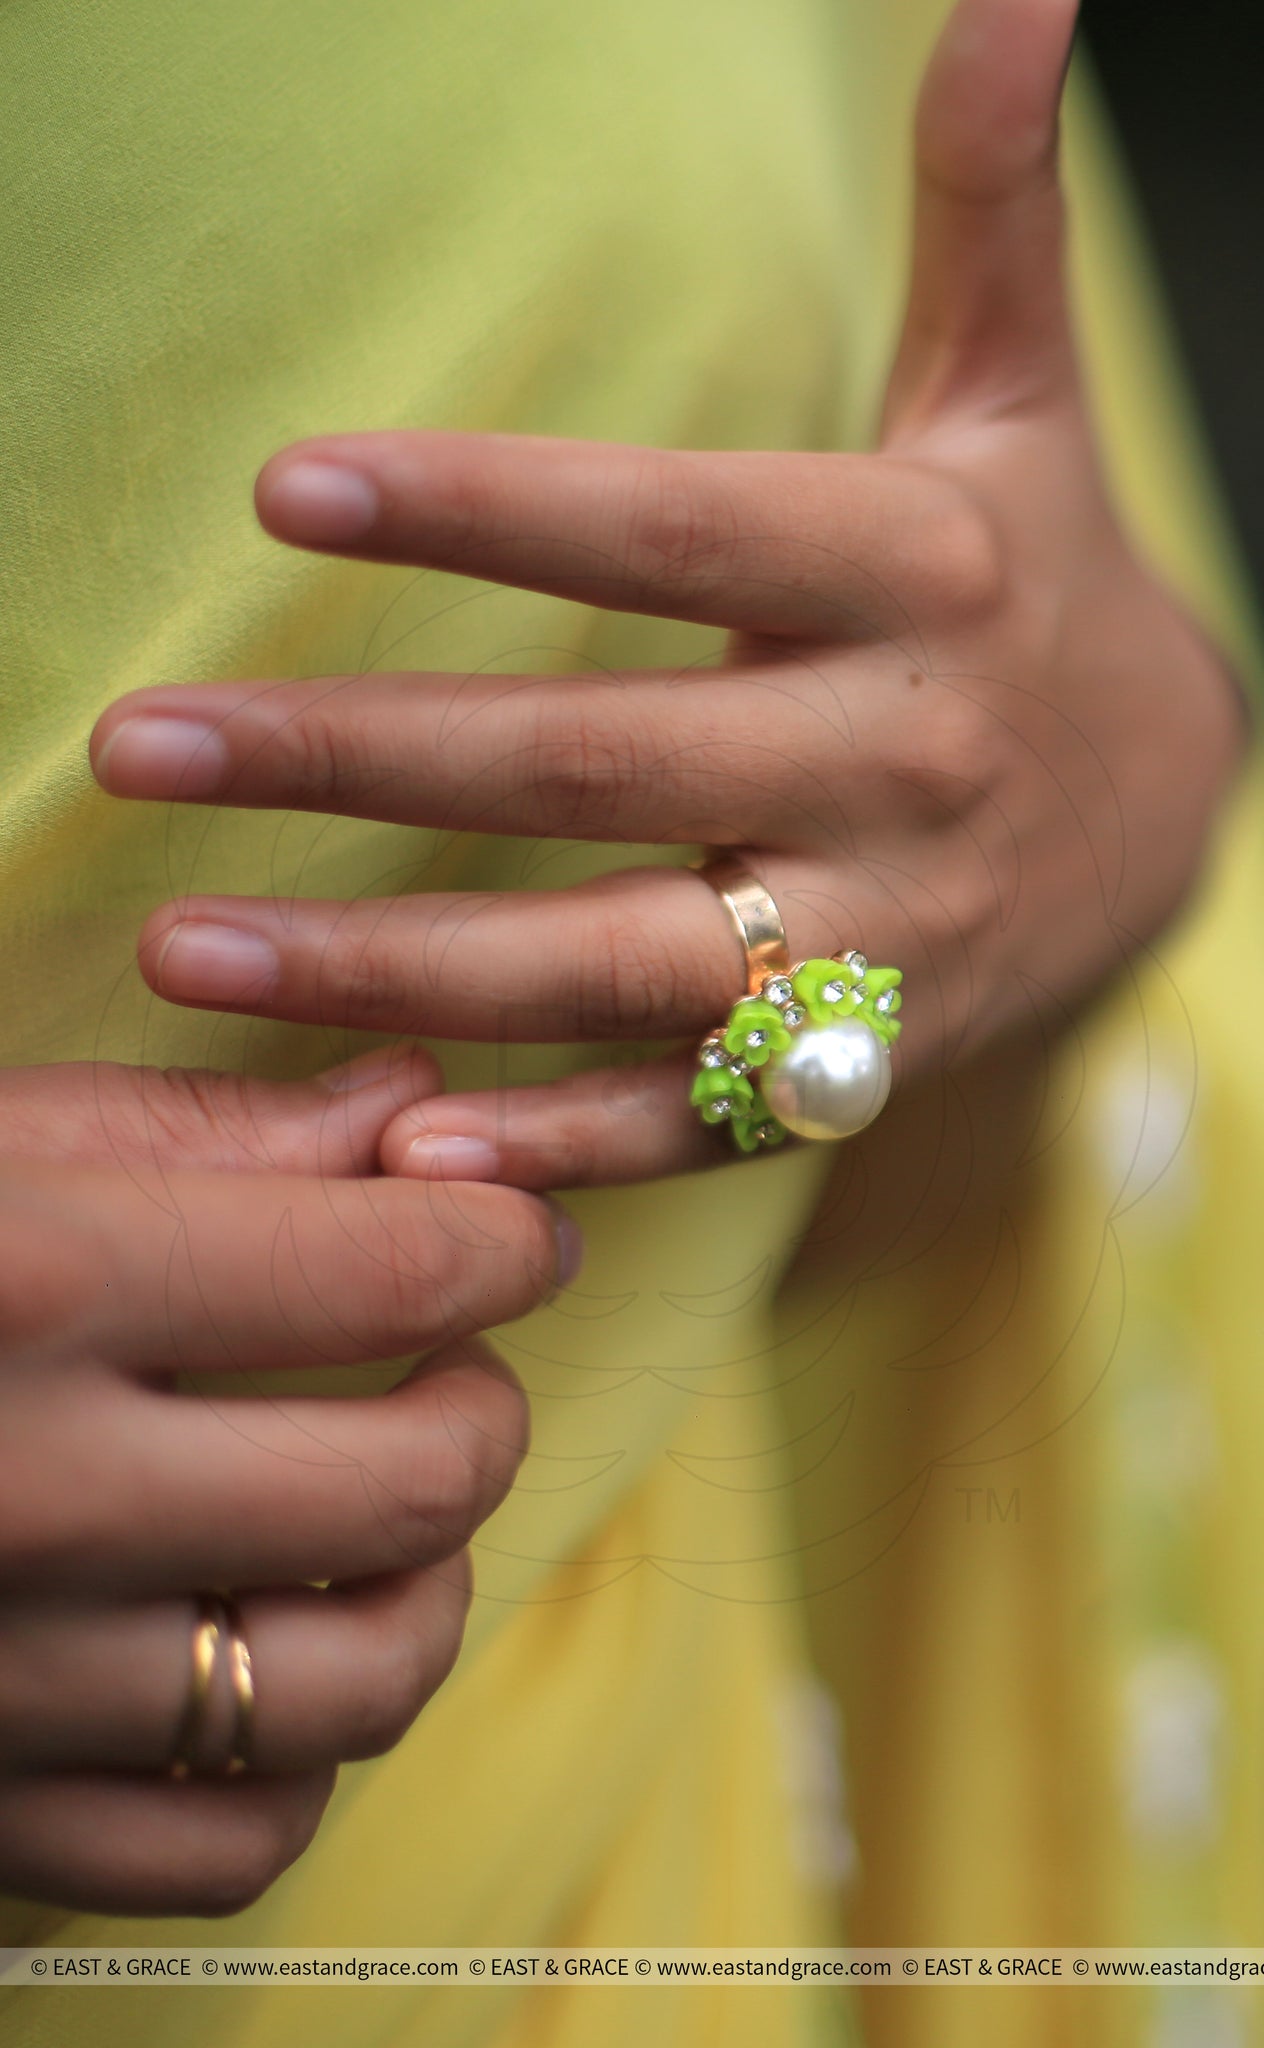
<point>713,1086</point>
<point>811,981</point>
<point>758,1129</point>
<point>881,1001</point>
<point>755,1029</point>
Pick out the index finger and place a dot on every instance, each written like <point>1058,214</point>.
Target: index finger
<point>810,545</point>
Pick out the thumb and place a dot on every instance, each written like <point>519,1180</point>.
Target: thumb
<point>93,1112</point>
<point>986,326</point>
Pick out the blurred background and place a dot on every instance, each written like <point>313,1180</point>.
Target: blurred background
<point>1183,85</point>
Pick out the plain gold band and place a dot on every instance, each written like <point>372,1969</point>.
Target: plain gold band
<point>756,918</point>
<point>207,1631</point>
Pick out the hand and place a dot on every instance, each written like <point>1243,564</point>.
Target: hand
<point>959,724</point>
<point>142,1235</point>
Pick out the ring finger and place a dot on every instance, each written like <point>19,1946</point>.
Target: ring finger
<point>641,953</point>
<point>337,1675</point>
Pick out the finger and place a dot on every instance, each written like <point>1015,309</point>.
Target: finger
<point>219,1272</point>
<point>644,952</point>
<point>96,1112</point>
<point>597,1129</point>
<point>805,545</point>
<point>658,758</point>
<point>218,1489</point>
<point>108,1844</point>
<point>338,1674</point>
<point>785,752</point>
<point>986,322</point>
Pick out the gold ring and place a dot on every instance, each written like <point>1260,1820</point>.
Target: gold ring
<point>242,1674</point>
<point>207,1631</point>
<point>756,918</point>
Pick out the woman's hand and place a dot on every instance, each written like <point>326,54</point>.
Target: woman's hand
<point>162,1222</point>
<point>959,724</point>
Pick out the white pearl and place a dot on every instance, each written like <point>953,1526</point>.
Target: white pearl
<point>832,1082</point>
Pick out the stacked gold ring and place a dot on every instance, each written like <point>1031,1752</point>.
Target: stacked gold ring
<point>218,1622</point>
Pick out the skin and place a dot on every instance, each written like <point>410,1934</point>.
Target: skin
<point>958,724</point>
<point>155,1221</point>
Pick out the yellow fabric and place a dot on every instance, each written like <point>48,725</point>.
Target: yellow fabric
<point>234,225</point>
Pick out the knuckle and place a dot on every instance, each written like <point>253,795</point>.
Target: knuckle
<point>415,1271</point>
<point>185,1106</point>
<point>428,1505</point>
<point>632,975</point>
<point>402,1676</point>
<point>959,549</point>
<point>506,1425</point>
<point>956,757</point>
<point>326,755</point>
<point>378,977</point>
<point>468,1257</point>
<point>969,562</point>
<point>448,1633</point>
<point>575,1152</point>
<point>582,764</point>
<point>487,1429</point>
<point>456,1468</point>
<point>674,518</point>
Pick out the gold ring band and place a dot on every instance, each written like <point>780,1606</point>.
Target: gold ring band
<point>218,1622</point>
<point>207,1631</point>
<point>756,918</point>
<point>242,1674</point>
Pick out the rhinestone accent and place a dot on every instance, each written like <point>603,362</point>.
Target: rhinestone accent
<point>857,963</point>
<point>777,989</point>
<point>720,1106</point>
<point>756,1039</point>
<point>739,1066</point>
<point>886,1001</point>
<point>793,1015</point>
<point>834,991</point>
<point>713,1053</point>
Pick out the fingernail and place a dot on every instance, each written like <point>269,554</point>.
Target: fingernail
<point>179,757</point>
<point>442,1155</point>
<point>216,963</point>
<point>570,1243</point>
<point>322,502</point>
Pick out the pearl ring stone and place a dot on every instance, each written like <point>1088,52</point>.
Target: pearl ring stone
<point>810,1053</point>
<point>832,1082</point>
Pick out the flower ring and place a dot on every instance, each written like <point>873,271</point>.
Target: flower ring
<point>808,1048</point>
